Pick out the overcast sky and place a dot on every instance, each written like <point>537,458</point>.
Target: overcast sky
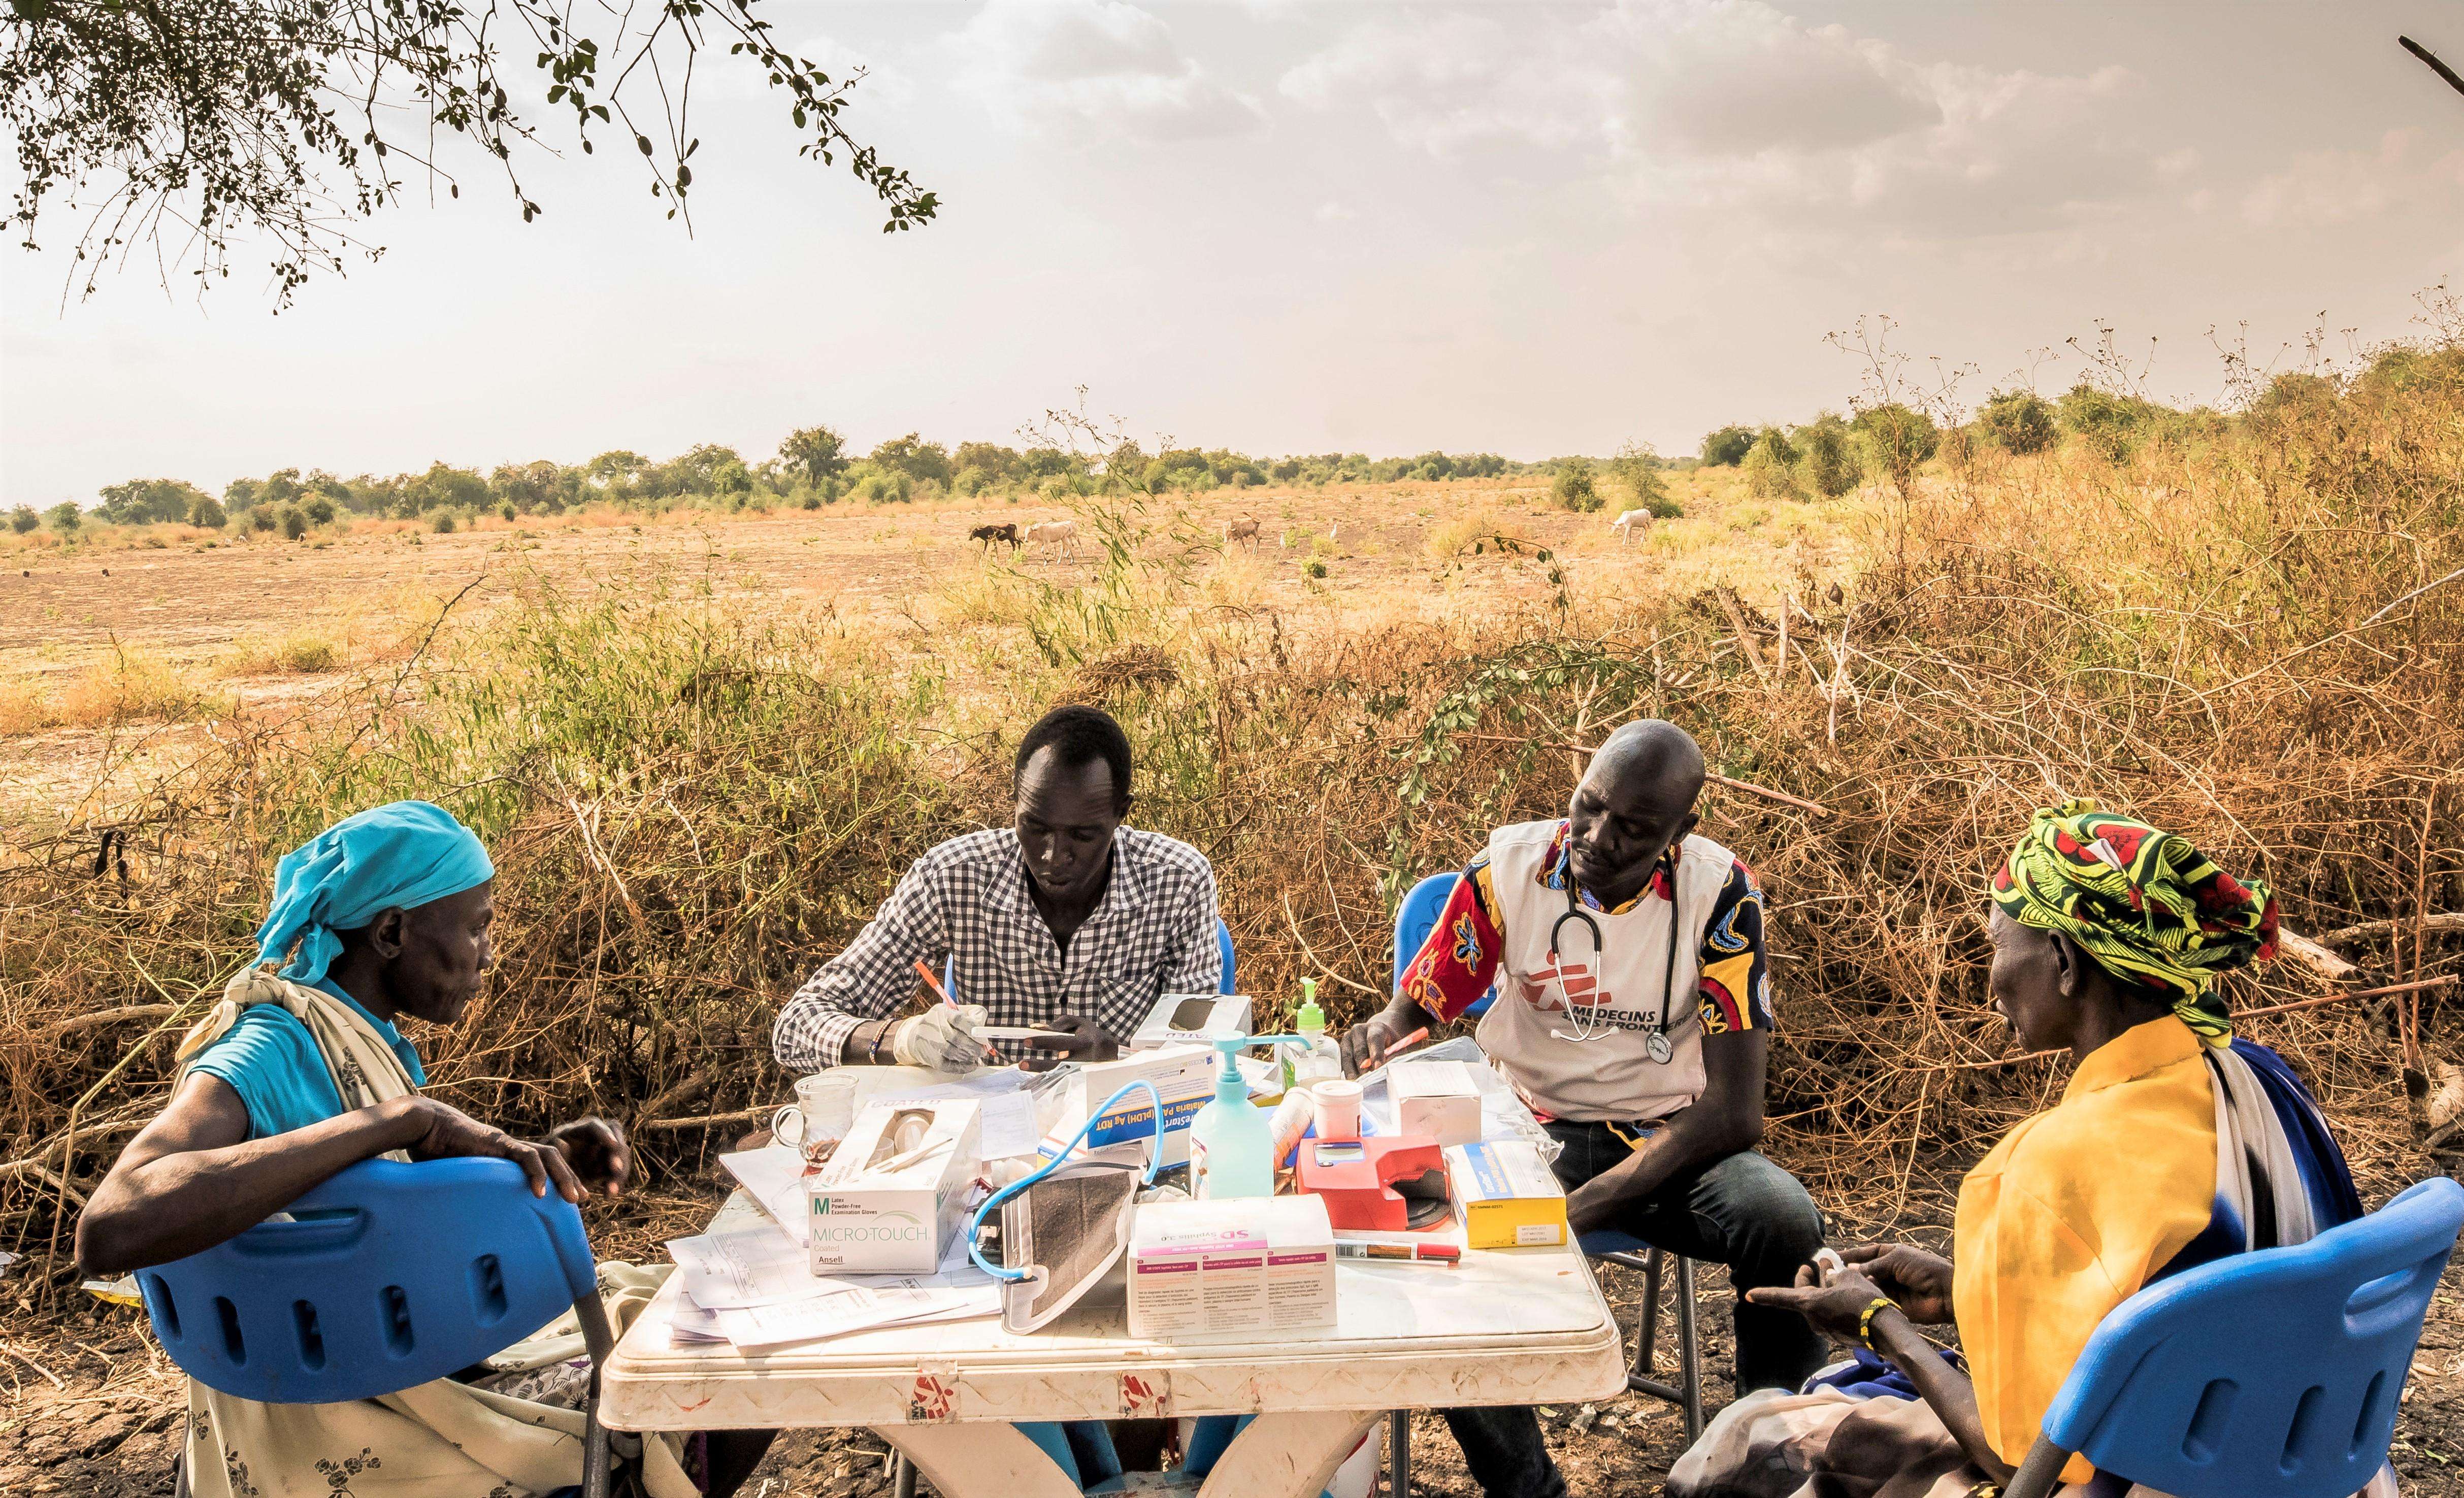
<point>1285,227</point>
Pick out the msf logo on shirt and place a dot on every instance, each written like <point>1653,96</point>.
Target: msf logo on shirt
<point>1555,989</point>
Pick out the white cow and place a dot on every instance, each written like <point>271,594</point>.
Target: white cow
<point>1630,524</point>
<point>1062,536</point>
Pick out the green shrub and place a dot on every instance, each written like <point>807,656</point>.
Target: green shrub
<point>971,483</point>
<point>2107,424</point>
<point>294,521</point>
<point>505,509</point>
<point>318,509</point>
<point>1314,567</point>
<point>1727,447</point>
<point>442,523</point>
<point>2020,422</point>
<point>1636,466</point>
<point>261,519</point>
<point>1574,488</point>
<point>1899,440</point>
<point>1830,455</point>
<point>65,517</point>
<point>23,518</point>
<point>1770,467</point>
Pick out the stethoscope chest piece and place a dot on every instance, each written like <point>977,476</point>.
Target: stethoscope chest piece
<point>1655,1045</point>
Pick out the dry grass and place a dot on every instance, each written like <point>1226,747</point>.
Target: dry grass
<point>130,685</point>
<point>691,799</point>
<point>1478,531</point>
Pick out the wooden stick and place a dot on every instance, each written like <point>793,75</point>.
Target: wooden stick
<point>1745,645</point>
<point>2314,957</point>
<point>713,1121</point>
<point>2431,925</point>
<point>2435,66</point>
<point>2444,981</point>
<point>102,1018</point>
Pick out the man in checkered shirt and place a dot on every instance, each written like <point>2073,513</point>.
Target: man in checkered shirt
<point>1065,921</point>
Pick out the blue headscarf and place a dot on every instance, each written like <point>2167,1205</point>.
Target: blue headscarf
<point>401,855</point>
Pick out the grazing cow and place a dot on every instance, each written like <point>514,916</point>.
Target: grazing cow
<point>989,534</point>
<point>1630,524</point>
<point>1062,536</point>
<point>1242,530</point>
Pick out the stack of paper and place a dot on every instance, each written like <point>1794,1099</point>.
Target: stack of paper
<point>754,1288</point>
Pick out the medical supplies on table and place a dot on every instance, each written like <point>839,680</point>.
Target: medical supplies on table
<point>1506,1195</point>
<point>1190,1020</point>
<point>1435,1099</point>
<point>895,1191</point>
<point>1252,1265</point>
<point>1184,1075</point>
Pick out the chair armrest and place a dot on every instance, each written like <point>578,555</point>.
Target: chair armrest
<point>2041,1474</point>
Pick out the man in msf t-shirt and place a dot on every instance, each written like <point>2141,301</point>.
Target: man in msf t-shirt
<point>1644,1055</point>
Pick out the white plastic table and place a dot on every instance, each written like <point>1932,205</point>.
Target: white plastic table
<point>1523,1326</point>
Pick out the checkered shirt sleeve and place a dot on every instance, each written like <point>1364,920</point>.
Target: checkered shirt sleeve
<point>1153,934</point>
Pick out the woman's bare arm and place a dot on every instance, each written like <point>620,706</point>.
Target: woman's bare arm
<point>193,1179</point>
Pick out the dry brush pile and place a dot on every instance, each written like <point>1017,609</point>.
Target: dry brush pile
<point>2257,640</point>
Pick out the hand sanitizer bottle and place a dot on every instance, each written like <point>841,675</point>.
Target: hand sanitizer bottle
<point>1231,1143</point>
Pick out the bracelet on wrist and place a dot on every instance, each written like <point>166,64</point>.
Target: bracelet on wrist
<point>1866,1322</point>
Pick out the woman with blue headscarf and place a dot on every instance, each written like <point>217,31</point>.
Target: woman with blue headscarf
<point>300,1071</point>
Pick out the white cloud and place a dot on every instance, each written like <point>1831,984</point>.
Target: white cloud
<point>1735,104</point>
<point>2325,188</point>
<point>1093,69</point>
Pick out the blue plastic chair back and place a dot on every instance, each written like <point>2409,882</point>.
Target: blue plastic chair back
<point>1223,946</point>
<point>2268,1375</point>
<point>1420,912</point>
<point>405,1274</point>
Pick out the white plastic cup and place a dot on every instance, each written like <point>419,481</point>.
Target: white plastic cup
<point>819,1116</point>
<point>1338,1110</point>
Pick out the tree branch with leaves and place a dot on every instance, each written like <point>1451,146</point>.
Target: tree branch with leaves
<point>181,128</point>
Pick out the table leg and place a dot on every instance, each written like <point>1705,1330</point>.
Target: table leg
<point>1288,1455</point>
<point>979,1459</point>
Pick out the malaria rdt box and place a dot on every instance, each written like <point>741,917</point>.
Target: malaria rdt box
<point>895,1191</point>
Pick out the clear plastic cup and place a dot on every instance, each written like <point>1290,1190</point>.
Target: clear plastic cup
<point>819,1116</point>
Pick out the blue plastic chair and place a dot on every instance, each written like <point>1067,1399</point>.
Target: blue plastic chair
<point>1420,911</point>
<point>388,1276</point>
<point>1223,945</point>
<point>2267,1374</point>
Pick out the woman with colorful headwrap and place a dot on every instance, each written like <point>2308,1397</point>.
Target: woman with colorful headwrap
<point>2173,1144</point>
<point>299,1072</point>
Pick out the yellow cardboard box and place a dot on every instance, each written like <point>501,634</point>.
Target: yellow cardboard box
<point>1507,1195</point>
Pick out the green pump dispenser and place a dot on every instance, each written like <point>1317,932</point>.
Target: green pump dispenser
<point>1231,1148</point>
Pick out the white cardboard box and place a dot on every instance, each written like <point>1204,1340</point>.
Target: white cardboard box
<point>1184,1075</point>
<point>1202,1268</point>
<point>865,1219</point>
<point>1192,1020</point>
<point>1435,1098</point>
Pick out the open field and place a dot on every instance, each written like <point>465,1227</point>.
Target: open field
<point>702,753</point>
<point>96,641</point>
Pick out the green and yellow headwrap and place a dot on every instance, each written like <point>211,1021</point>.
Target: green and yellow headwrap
<point>2150,907</point>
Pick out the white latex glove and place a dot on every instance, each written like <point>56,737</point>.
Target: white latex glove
<point>942,1038</point>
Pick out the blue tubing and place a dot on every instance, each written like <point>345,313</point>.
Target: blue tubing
<point>976,1224</point>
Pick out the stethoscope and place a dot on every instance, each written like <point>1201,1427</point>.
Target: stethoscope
<point>1655,1041</point>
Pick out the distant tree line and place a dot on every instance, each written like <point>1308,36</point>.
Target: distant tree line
<point>814,467</point>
